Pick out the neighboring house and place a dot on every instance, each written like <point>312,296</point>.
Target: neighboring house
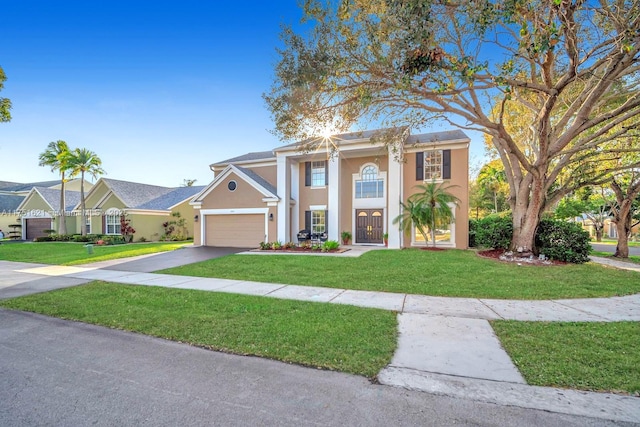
<point>349,182</point>
<point>40,209</point>
<point>147,207</point>
<point>12,194</point>
<point>609,230</point>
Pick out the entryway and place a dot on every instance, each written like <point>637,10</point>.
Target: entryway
<point>369,226</point>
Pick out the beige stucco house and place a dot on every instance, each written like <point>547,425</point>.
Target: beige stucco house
<point>35,207</point>
<point>349,182</point>
<point>147,207</point>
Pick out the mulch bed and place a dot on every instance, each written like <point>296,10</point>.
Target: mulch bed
<point>507,256</point>
<point>304,250</point>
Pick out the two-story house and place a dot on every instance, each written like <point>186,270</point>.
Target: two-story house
<point>350,182</point>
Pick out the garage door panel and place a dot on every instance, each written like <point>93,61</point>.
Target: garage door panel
<point>239,231</point>
<point>36,226</point>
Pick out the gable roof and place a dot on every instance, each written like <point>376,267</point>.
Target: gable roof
<point>16,186</point>
<point>347,137</point>
<point>171,199</point>
<point>10,202</point>
<point>134,194</point>
<point>52,198</point>
<point>249,176</point>
<point>249,157</point>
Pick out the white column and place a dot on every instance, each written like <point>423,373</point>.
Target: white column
<point>295,195</point>
<point>394,182</point>
<point>334,198</point>
<point>284,193</point>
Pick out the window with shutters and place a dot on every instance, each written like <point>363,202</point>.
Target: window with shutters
<point>433,165</point>
<point>318,221</point>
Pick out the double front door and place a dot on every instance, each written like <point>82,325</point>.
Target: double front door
<point>369,226</point>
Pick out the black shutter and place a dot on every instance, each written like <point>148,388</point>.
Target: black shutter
<point>307,220</point>
<point>326,222</point>
<point>307,174</point>
<point>326,172</point>
<point>446,164</point>
<point>420,166</point>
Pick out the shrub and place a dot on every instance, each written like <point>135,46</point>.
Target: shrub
<point>472,232</point>
<point>79,238</point>
<point>276,245</point>
<point>43,239</point>
<point>563,241</point>
<point>265,246</point>
<point>330,245</point>
<point>494,231</point>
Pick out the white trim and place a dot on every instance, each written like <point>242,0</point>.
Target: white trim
<point>394,196</point>
<point>283,177</point>
<point>317,207</point>
<point>334,172</point>
<point>249,163</point>
<point>151,212</point>
<point>294,214</point>
<point>237,211</point>
<point>219,178</point>
<point>29,196</point>
<point>458,144</point>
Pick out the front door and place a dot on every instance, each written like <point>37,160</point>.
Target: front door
<point>369,227</point>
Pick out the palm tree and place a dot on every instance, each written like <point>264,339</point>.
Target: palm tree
<point>56,156</point>
<point>413,214</point>
<point>428,209</point>
<point>81,162</point>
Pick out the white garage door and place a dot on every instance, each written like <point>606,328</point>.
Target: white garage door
<point>235,231</point>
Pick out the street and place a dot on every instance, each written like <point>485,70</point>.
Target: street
<point>56,372</point>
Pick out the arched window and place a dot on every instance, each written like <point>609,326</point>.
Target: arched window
<point>370,173</point>
<point>369,186</point>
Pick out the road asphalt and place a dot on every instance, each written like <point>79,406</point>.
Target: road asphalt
<point>446,345</point>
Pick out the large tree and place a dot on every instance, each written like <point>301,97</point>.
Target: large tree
<point>5,103</point>
<point>81,162</point>
<point>626,188</point>
<point>567,68</point>
<point>57,156</point>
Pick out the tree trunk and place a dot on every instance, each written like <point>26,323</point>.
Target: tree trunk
<point>623,228</point>
<point>83,212</point>
<point>526,217</point>
<point>622,248</point>
<point>598,233</point>
<point>62,220</point>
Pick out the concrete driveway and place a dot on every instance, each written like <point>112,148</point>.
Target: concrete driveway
<point>633,250</point>
<point>155,262</point>
<point>60,373</point>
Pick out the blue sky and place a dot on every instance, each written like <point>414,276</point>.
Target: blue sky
<point>159,90</point>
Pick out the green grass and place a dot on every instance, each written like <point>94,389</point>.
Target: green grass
<point>69,253</point>
<point>632,258</point>
<point>615,242</point>
<point>587,356</point>
<point>337,337</point>
<point>455,273</point>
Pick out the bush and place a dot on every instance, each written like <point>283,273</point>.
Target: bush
<point>494,231</point>
<point>473,224</point>
<point>330,245</point>
<point>563,241</point>
<point>82,239</point>
<point>43,239</point>
<point>265,246</point>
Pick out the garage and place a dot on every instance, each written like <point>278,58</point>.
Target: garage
<point>35,227</point>
<point>235,231</point>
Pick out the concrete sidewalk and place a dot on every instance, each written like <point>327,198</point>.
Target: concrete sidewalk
<point>446,345</point>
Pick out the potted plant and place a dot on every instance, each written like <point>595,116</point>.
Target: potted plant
<point>385,237</point>
<point>346,237</point>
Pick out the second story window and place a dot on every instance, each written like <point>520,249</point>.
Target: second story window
<point>369,186</point>
<point>433,165</point>
<point>318,171</point>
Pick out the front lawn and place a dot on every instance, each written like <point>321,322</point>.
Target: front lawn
<point>587,356</point>
<point>337,337</point>
<point>71,253</point>
<point>455,273</point>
